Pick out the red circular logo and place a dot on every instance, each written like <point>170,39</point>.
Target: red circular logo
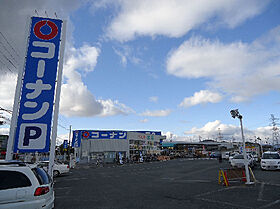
<point>40,35</point>
<point>85,134</point>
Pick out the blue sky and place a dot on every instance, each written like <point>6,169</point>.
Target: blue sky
<point>174,66</point>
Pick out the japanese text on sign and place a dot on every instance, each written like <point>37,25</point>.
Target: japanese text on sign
<point>37,93</point>
<point>104,134</point>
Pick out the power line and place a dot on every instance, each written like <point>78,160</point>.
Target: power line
<point>62,126</point>
<point>5,48</point>
<point>6,66</point>
<point>6,110</point>
<point>8,60</point>
<point>9,43</point>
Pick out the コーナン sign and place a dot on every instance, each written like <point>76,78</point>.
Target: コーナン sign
<point>34,120</point>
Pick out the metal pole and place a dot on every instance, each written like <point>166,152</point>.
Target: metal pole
<point>69,144</point>
<point>244,153</point>
<point>57,98</point>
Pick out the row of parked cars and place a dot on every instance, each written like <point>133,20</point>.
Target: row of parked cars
<point>269,160</point>
<point>28,186</point>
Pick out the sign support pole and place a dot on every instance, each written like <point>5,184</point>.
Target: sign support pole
<point>57,98</point>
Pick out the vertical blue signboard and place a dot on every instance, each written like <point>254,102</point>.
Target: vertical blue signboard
<point>34,120</point>
<point>65,144</point>
<point>76,140</point>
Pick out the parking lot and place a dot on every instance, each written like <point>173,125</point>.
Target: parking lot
<point>180,183</point>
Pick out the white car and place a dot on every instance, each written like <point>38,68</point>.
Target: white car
<point>58,168</point>
<point>225,155</point>
<point>24,186</point>
<point>238,161</point>
<point>270,161</point>
<point>231,155</point>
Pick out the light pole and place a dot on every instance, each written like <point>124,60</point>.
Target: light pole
<point>235,113</point>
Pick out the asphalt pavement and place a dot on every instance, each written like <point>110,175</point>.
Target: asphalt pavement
<point>174,184</point>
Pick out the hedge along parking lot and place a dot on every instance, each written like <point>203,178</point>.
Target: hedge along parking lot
<point>180,183</point>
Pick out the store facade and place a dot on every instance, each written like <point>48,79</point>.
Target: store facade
<point>110,145</point>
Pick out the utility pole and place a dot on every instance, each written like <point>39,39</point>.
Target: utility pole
<point>220,137</point>
<point>275,130</point>
<point>69,146</point>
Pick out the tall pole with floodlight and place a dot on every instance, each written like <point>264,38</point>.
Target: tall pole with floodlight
<point>235,113</point>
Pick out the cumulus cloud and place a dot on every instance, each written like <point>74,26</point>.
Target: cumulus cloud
<point>111,108</point>
<point>175,18</point>
<point>201,97</point>
<point>169,135</point>
<point>239,69</point>
<point>212,129</point>
<point>4,131</point>
<point>76,99</point>
<point>156,113</point>
<point>7,90</point>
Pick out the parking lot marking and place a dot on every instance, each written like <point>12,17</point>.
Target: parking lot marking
<point>224,203</point>
<point>270,204</point>
<point>216,191</point>
<point>260,196</point>
<point>75,179</point>
<point>63,188</point>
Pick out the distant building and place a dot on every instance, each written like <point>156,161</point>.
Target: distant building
<point>109,145</point>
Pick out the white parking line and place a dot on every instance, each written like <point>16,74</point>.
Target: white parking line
<point>260,196</point>
<point>223,203</point>
<point>270,204</point>
<point>74,179</point>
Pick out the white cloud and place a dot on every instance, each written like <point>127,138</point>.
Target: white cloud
<point>114,108</point>
<point>4,131</point>
<point>201,97</point>
<point>127,54</point>
<point>156,113</point>
<point>169,135</point>
<point>145,120</point>
<point>76,99</point>
<point>241,70</point>
<point>212,129</point>
<point>174,18</point>
<point>153,99</point>
<point>60,139</point>
<point>7,90</point>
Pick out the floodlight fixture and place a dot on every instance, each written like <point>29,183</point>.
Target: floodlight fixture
<point>235,113</point>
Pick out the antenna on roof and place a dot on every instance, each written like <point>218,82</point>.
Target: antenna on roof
<point>55,14</point>
<point>46,13</point>
<point>36,12</point>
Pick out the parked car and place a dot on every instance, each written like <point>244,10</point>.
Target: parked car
<point>58,168</point>
<point>225,155</point>
<point>24,186</point>
<point>231,155</point>
<point>215,154</point>
<point>238,161</point>
<point>270,161</point>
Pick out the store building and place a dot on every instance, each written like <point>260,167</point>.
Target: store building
<point>109,145</point>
